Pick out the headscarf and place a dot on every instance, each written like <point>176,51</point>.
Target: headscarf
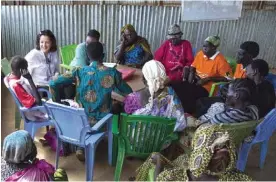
<point>251,47</point>
<point>140,40</point>
<point>215,40</point>
<point>18,147</point>
<point>206,140</point>
<point>128,27</point>
<point>155,75</point>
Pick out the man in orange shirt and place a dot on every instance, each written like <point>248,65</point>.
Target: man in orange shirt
<point>210,64</point>
<point>247,52</point>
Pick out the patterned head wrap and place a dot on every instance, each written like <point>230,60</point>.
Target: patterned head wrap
<point>128,27</point>
<point>206,140</point>
<point>18,147</point>
<point>174,31</point>
<point>155,75</point>
<point>215,40</point>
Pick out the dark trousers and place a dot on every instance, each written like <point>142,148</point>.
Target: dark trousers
<point>203,104</point>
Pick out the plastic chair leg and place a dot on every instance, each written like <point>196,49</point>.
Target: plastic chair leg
<point>243,154</point>
<point>263,148</point>
<point>89,161</point>
<point>57,151</point>
<point>120,159</point>
<point>29,128</point>
<point>17,119</point>
<point>110,142</point>
<point>114,150</point>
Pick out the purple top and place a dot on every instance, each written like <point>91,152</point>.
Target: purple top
<point>132,102</point>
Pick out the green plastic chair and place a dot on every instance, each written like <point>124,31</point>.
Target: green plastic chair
<point>232,62</point>
<point>239,131</point>
<point>214,86</point>
<point>139,136</point>
<point>67,55</point>
<point>5,66</point>
<point>6,69</point>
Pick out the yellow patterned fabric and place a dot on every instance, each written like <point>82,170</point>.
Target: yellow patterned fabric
<point>206,141</point>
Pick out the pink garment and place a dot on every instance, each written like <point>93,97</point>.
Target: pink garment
<point>132,102</point>
<point>126,73</point>
<point>175,58</point>
<point>40,170</point>
<point>51,138</point>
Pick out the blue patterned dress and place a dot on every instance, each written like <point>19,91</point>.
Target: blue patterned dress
<point>94,85</point>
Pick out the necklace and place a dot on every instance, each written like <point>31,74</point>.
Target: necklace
<point>175,55</point>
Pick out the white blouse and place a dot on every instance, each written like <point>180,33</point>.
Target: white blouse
<point>42,71</point>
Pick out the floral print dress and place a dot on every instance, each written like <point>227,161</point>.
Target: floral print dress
<point>166,104</point>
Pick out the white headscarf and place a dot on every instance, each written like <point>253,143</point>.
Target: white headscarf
<point>155,74</point>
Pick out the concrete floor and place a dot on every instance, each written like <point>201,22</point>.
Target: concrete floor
<point>102,171</point>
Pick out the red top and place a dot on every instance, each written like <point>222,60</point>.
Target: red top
<point>175,58</point>
<point>26,99</point>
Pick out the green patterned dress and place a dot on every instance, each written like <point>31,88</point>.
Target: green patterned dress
<point>94,85</point>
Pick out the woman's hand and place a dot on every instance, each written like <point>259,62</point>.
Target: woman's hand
<point>25,73</point>
<point>123,41</point>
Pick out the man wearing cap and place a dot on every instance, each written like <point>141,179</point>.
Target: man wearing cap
<point>210,64</point>
<point>175,53</point>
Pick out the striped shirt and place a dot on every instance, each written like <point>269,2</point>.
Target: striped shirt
<point>236,116</point>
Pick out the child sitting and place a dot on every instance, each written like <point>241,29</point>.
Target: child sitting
<point>21,83</point>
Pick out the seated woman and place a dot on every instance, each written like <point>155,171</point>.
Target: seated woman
<point>175,53</point>
<point>43,61</point>
<point>213,158</point>
<point>238,108</point>
<point>210,65</point>
<point>21,83</point>
<point>248,50</point>
<point>133,50</point>
<point>94,85</point>
<point>156,99</point>
<point>19,162</point>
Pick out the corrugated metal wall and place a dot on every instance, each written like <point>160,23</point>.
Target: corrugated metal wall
<point>70,23</point>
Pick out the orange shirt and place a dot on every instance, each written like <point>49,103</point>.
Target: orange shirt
<point>215,66</point>
<point>239,72</point>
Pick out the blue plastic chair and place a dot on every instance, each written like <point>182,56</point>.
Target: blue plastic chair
<point>73,127</point>
<point>272,78</point>
<point>194,52</point>
<point>30,126</point>
<point>263,132</point>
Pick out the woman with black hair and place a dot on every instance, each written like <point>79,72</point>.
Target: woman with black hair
<point>43,61</point>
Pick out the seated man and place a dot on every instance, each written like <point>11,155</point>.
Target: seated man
<point>247,52</point>
<point>133,50</point>
<point>265,98</point>
<point>94,86</point>
<point>210,64</point>
<point>175,53</point>
<point>81,59</point>
<point>21,83</point>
